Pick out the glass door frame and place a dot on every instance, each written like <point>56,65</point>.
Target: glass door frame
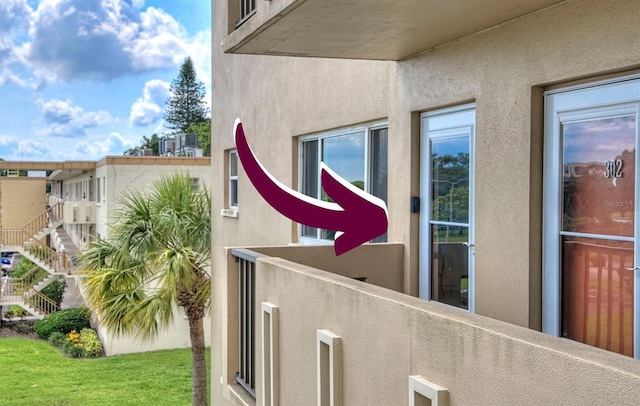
<point>591,101</point>
<point>441,124</point>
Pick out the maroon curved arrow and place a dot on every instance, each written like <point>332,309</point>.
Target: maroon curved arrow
<point>357,216</point>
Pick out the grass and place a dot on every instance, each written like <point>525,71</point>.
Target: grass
<point>36,373</point>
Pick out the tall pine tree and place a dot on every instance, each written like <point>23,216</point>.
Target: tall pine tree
<point>186,104</point>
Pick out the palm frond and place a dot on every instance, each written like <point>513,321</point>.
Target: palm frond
<point>158,250</point>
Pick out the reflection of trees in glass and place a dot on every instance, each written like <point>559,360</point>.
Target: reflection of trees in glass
<point>330,234</point>
<point>451,188</point>
<point>450,200</point>
<point>593,203</point>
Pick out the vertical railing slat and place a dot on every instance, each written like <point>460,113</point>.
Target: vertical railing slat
<point>246,324</point>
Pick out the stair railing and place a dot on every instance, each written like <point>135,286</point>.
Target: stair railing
<point>38,301</point>
<point>42,221</point>
<point>43,253</point>
<point>32,277</point>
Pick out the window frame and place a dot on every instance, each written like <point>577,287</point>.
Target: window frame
<point>368,129</point>
<point>617,96</point>
<point>452,122</point>
<point>232,178</point>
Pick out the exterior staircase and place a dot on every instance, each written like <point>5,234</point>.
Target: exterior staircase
<point>28,241</point>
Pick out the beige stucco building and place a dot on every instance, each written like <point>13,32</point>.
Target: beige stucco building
<point>502,138</point>
<point>82,201</point>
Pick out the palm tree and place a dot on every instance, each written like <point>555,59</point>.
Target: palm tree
<point>156,257</point>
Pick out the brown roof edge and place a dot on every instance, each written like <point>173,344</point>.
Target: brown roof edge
<point>47,165</point>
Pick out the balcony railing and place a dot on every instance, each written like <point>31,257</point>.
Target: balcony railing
<point>246,375</point>
<point>247,9</point>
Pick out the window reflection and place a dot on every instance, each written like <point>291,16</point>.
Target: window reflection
<point>450,169</point>
<point>597,293</point>
<point>450,265</point>
<point>599,176</point>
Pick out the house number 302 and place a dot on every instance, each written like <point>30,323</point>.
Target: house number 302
<point>613,168</point>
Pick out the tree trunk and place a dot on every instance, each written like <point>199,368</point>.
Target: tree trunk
<point>198,362</point>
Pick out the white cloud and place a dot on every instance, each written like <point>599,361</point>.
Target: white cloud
<point>12,148</point>
<point>110,38</point>
<point>66,120</point>
<point>113,144</point>
<point>150,107</point>
<point>35,149</point>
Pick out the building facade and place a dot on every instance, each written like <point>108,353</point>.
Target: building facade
<point>504,144</point>
<point>79,208</point>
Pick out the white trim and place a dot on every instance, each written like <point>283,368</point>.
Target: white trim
<point>453,122</point>
<point>608,98</point>
<point>231,178</point>
<point>367,128</point>
<point>329,368</point>
<point>438,395</point>
<point>270,355</point>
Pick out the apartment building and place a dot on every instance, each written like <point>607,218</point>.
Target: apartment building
<point>52,228</point>
<point>503,140</point>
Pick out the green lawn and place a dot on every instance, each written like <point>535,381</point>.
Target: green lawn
<point>35,373</point>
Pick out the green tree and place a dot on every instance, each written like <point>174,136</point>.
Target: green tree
<point>203,130</point>
<point>186,104</point>
<point>156,257</point>
<point>152,143</point>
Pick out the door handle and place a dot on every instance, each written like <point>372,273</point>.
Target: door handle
<point>466,244</point>
<point>632,269</point>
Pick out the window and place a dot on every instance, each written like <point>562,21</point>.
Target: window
<point>591,240</point>
<point>98,189</point>
<point>446,223</point>
<point>359,155</point>
<point>233,179</point>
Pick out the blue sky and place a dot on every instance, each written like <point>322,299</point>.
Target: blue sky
<point>82,79</point>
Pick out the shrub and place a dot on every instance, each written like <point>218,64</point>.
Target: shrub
<point>21,313</point>
<point>8,315</point>
<point>57,339</point>
<point>55,291</point>
<point>24,266</point>
<point>74,337</point>
<point>75,351</point>
<point>23,328</point>
<point>91,342</point>
<point>63,321</point>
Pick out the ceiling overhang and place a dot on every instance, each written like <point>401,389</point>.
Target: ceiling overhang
<point>367,29</point>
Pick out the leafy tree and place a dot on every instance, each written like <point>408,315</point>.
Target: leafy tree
<point>155,258</point>
<point>203,129</point>
<point>186,104</point>
<point>55,291</point>
<point>152,143</point>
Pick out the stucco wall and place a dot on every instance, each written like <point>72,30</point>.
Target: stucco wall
<point>22,200</point>
<point>377,264</point>
<point>387,336</point>
<point>175,335</point>
<point>119,179</point>
<point>503,70</point>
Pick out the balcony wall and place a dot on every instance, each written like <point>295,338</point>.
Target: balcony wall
<point>377,264</point>
<point>388,336</point>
